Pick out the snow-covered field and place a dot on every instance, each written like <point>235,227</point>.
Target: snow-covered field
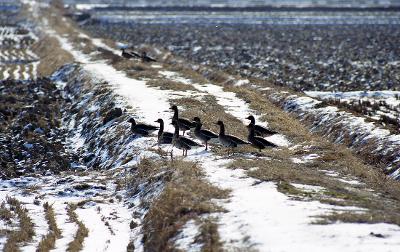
<point>257,216</point>
<point>246,216</point>
<point>16,58</point>
<point>356,131</point>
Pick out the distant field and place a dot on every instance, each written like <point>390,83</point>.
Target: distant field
<point>305,51</point>
<point>323,57</point>
<point>356,3</point>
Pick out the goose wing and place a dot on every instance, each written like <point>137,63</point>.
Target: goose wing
<point>265,142</point>
<point>148,58</point>
<point>237,140</point>
<point>146,127</point>
<point>227,141</point>
<point>261,131</point>
<point>168,134</point>
<point>257,144</point>
<point>208,133</point>
<point>165,139</point>
<point>186,122</point>
<point>140,131</point>
<point>135,54</point>
<point>178,143</point>
<point>189,142</point>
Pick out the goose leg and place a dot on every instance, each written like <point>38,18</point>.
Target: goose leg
<point>206,145</point>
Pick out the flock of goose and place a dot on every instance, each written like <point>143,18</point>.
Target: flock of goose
<point>131,54</point>
<point>256,132</point>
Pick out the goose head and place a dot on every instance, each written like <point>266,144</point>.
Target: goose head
<point>196,119</point>
<point>159,120</point>
<point>251,118</point>
<point>131,120</point>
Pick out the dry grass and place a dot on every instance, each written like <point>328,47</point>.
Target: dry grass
<point>25,231</point>
<point>169,84</point>
<point>48,242</point>
<point>2,69</point>
<point>186,196</point>
<point>281,169</point>
<point>5,214</point>
<point>284,173</point>
<point>278,120</point>
<point>187,73</point>
<point>209,236</point>
<point>82,232</point>
<point>51,55</point>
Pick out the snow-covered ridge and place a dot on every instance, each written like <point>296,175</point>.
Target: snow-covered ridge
<point>109,145</point>
<point>248,215</point>
<point>343,127</point>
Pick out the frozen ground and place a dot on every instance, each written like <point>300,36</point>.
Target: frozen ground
<point>356,131</point>
<point>254,209</point>
<point>16,58</point>
<point>258,216</point>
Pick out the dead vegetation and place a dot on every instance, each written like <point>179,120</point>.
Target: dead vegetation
<point>169,85</point>
<point>48,242</point>
<point>185,196</point>
<point>52,57</point>
<point>209,236</point>
<point>370,108</point>
<point>25,231</point>
<point>81,233</point>
<point>5,214</point>
<point>180,202</point>
<point>281,168</point>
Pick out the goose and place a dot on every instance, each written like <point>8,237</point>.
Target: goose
<point>260,130</point>
<point>141,128</point>
<point>258,142</point>
<point>129,55</point>
<point>146,58</point>
<point>178,142</point>
<point>163,136</point>
<point>228,140</point>
<point>203,135</point>
<point>184,124</point>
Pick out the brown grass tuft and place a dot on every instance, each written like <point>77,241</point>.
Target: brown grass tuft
<point>48,242</point>
<point>81,233</point>
<point>25,231</point>
<point>186,196</point>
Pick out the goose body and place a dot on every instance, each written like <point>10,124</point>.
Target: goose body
<point>183,123</point>
<point>163,136</point>
<point>129,55</point>
<point>258,142</point>
<point>141,128</point>
<point>260,130</point>
<point>228,140</point>
<point>203,135</point>
<point>146,58</point>
<point>178,142</point>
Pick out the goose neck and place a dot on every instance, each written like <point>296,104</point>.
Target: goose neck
<point>222,129</point>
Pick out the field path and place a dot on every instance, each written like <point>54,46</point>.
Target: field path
<point>278,200</point>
